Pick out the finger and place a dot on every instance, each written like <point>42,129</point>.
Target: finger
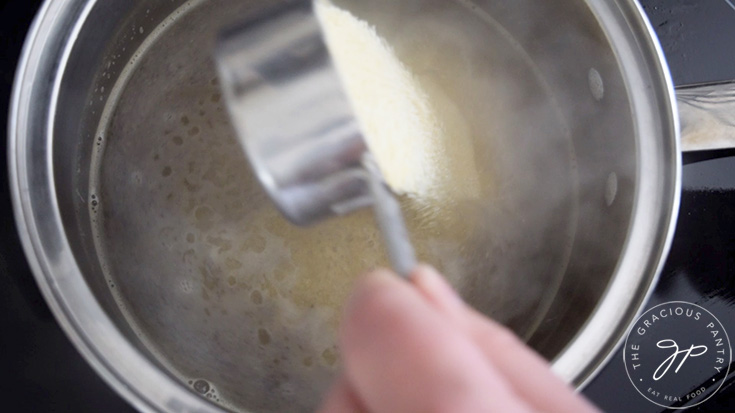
<point>402,355</point>
<point>528,373</point>
<point>341,399</point>
<point>438,291</point>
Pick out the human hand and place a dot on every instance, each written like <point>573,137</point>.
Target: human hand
<point>421,349</point>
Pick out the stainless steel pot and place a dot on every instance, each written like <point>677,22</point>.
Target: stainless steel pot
<point>165,265</point>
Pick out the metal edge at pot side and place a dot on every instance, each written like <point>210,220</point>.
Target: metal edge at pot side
<point>120,365</point>
<point>595,330</point>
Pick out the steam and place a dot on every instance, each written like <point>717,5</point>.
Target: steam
<point>522,93</point>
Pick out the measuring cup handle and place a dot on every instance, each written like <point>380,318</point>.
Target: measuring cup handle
<point>707,115</point>
<point>390,220</point>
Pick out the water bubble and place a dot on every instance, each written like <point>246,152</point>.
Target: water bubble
<point>287,389</point>
<point>257,297</point>
<point>186,287</point>
<point>203,213</point>
<point>264,337</point>
<point>330,357</point>
<point>233,264</point>
<point>137,177</point>
<point>202,386</point>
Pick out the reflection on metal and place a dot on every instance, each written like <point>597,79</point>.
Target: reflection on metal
<point>296,124</point>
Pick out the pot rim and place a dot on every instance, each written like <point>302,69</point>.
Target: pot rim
<point>133,375</point>
<point>639,246</point>
<point>129,372</point>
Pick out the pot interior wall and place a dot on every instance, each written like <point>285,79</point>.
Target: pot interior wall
<point>187,256</point>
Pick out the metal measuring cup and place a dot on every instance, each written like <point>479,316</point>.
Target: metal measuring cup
<point>297,127</point>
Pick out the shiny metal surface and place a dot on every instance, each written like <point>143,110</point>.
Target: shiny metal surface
<point>707,114</point>
<point>390,220</point>
<point>658,181</point>
<point>297,126</point>
<point>165,264</point>
<point>113,353</point>
<point>292,116</point>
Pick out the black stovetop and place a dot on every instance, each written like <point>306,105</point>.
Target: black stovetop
<point>41,371</point>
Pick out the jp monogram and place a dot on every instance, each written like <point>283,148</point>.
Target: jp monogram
<point>677,355</point>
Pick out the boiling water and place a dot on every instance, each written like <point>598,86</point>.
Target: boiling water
<point>241,305</point>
